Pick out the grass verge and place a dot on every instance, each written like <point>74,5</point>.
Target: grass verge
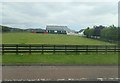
<point>61,58</point>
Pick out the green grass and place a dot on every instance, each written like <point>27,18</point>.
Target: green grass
<point>30,38</point>
<point>61,58</point>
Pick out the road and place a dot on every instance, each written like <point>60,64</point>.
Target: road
<point>59,72</point>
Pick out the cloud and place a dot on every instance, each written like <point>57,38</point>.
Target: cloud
<point>80,15</point>
<point>60,1</point>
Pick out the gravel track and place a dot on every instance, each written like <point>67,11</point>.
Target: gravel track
<point>58,72</point>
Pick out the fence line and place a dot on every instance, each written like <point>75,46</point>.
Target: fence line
<point>38,48</point>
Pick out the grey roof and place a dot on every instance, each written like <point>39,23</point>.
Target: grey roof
<point>58,28</point>
<point>81,30</point>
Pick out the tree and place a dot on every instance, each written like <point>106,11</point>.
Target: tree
<point>97,30</point>
<point>110,33</point>
<point>86,32</point>
<point>89,32</point>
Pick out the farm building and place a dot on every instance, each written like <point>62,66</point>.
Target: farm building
<point>81,32</point>
<point>55,29</point>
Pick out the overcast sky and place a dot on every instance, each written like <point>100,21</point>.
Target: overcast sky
<point>75,15</point>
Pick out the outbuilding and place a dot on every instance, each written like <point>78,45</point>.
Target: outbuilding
<point>54,29</point>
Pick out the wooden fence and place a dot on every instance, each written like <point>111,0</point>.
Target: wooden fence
<point>37,48</point>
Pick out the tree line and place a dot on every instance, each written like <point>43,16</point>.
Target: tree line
<point>110,33</point>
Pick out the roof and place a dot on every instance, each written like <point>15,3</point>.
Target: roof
<point>81,30</point>
<point>58,28</point>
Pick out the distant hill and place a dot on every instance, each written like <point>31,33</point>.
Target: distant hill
<point>11,29</point>
<point>35,30</point>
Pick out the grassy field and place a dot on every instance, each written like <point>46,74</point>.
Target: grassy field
<point>62,59</point>
<point>30,38</point>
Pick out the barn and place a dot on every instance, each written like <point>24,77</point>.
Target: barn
<point>55,29</point>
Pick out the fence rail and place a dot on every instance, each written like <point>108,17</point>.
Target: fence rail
<point>38,48</point>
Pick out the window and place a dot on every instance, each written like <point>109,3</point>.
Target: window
<point>55,31</point>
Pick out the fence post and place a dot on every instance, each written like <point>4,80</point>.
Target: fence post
<point>115,49</point>
<point>65,49</point>
<point>96,49</point>
<point>86,49</point>
<point>54,50</point>
<point>29,49</point>
<point>76,49</point>
<point>118,49</point>
<point>17,49</point>
<point>42,49</point>
<point>106,49</point>
<point>2,49</point>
